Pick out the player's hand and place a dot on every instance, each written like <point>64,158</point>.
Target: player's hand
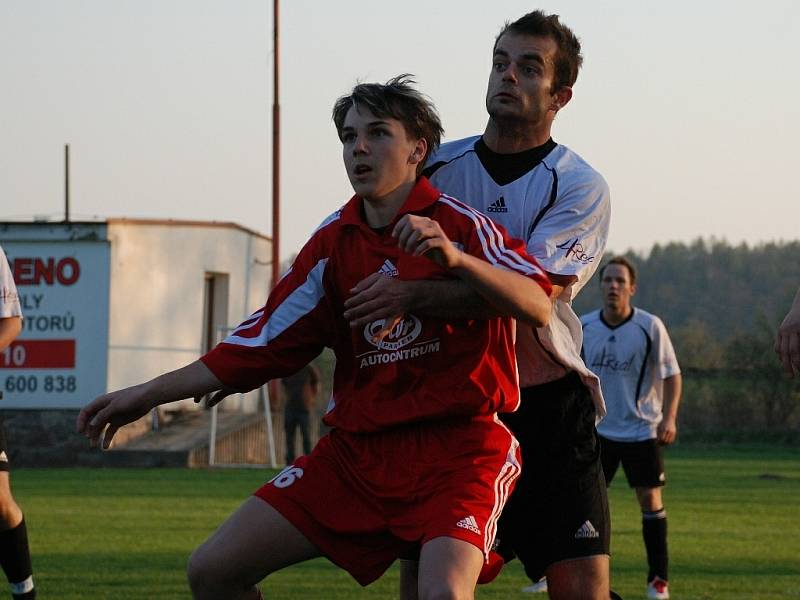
<point>787,343</point>
<point>104,415</point>
<point>217,396</point>
<point>423,236</point>
<point>667,431</point>
<point>378,297</point>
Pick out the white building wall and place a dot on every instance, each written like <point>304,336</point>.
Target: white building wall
<point>156,311</point>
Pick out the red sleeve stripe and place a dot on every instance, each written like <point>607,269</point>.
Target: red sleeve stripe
<point>297,304</point>
<point>492,240</point>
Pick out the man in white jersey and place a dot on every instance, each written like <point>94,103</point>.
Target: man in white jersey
<point>557,520</point>
<point>15,557</point>
<point>631,352</point>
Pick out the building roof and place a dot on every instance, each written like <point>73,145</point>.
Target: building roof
<point>150,222</point>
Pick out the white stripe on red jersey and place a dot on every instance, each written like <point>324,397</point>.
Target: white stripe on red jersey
<point>298,304</point>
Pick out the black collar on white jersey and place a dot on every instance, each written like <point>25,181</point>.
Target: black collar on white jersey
<point>621,323</point>
<point>505,168</point>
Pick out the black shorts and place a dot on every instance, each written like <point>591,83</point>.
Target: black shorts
<point>4,466</point>
<point>559,509</point>
<point>642,462</point>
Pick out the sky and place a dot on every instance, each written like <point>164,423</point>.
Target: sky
<point>690,110</point>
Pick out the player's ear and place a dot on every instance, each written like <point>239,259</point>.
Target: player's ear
<point>418,153</point>
<point>633,289</point>
<point>561,98</point>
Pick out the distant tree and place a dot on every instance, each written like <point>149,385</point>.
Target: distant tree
<point>696,347</point>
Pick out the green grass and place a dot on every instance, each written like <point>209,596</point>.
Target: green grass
<point>110,533</point>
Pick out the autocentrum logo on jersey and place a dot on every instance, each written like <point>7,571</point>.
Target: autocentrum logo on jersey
<point>402,334</point>
<point>394,346</point>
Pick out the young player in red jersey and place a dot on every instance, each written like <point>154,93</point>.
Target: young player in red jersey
<point>416,456</point>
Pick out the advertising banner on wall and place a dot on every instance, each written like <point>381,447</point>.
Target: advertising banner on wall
<point>60,360</point>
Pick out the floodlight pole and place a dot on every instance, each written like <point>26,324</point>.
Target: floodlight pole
<point>276,173</point>
<point>276,154</point>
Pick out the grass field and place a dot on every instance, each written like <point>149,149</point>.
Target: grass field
<point>125,534</point>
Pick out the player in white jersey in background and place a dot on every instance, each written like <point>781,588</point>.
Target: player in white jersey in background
<point>15,557</point>
<point>631,352</point>
<point>557,520</point>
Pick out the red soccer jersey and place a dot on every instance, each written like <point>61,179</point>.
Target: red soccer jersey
<point>425,368</point>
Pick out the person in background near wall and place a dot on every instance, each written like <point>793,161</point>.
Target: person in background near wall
<point>15,556</point>
<point>302,390</point>
<point>787,342</point>
<point>631,352</point>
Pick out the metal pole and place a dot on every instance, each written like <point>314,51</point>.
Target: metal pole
<point>273,462</point>
<point>276,152</point>
<point>212,438</point>
<point>66,183</point>
<point>276,164</point>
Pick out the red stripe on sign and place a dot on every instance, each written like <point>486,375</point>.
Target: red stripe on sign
<point>39,354</point>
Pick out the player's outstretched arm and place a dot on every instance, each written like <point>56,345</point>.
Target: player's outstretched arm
<point>111,411</point>
<point>512,293</point>
<point>787,341</point>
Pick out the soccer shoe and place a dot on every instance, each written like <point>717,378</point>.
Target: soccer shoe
<point>537,588</point>
<point>657,589</point>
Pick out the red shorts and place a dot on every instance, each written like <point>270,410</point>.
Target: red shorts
<point>365,499</point>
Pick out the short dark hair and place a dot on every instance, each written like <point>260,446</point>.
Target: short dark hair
<point>395,99</point>
<point>621,260</point>
<point>568,56</point>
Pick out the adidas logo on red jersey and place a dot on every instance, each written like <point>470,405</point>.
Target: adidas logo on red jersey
<point>469,523</point>
<point>388,269</point>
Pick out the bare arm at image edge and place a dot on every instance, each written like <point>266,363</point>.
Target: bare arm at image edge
<point>787,340</point>
<point>9,330</point>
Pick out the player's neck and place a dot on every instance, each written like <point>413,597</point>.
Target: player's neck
<point>379,212</point>
<point>616,315</point>
<point>512,136</point>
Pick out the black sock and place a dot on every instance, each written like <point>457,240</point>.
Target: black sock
<point>15,558</point>
<point>654,531</point>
